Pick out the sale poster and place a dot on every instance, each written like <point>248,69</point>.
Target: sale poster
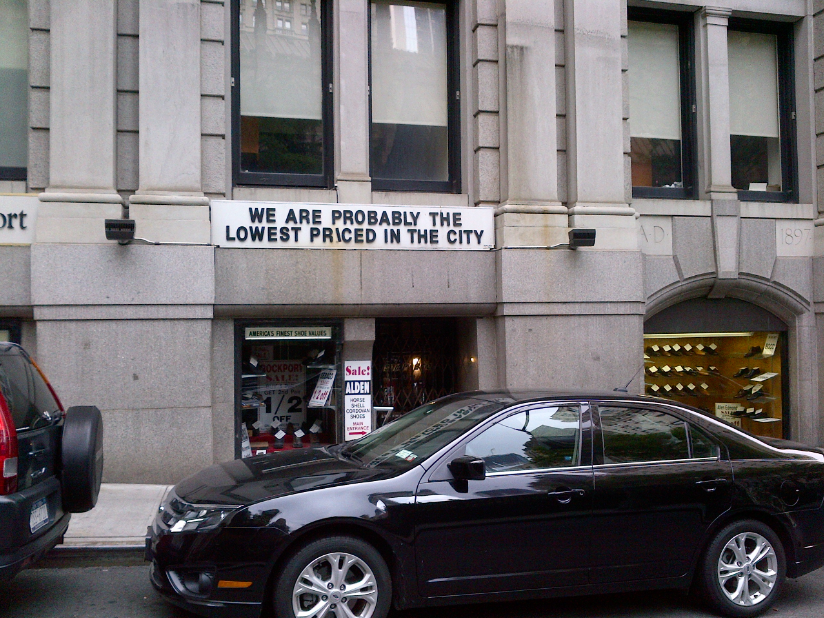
<point>282,392</point>
<point>357,399</point>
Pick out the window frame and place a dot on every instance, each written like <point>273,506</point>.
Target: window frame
<point>279,179</point>
<point>453,112</point>
<point>787,122</point>
<point>579,447</point>
<point>683,20</point>
<point>690,426</point>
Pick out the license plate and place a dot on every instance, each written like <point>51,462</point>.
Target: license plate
<point>39,515</point>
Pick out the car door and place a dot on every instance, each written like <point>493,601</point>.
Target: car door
<point>525,525</point>
<point>660,482</point>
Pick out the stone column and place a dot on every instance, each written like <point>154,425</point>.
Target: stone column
<point>169,204</point>
<point>81,189</point>
<point>530,214</point>
<point>715,101</point>
<point>352,102</point>
<point>595,125</point>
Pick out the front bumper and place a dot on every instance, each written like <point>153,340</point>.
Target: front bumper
<point>223,556</point>
<point>202,607</point>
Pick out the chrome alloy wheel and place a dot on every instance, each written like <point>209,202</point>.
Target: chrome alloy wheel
<point>337,584</point>
<point>747,569</point>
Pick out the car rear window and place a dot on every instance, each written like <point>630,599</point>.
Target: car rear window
<point>18,387</point>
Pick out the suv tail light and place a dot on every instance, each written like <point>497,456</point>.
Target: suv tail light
<point>8,450</point>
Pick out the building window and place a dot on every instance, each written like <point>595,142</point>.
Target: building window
<point>661,104</point>
<point>282,103</point>
<point>415,139</point>
<point>14,87</point>
<point>762,133</point>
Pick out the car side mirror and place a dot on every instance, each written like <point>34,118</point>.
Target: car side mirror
<point>467,468</point>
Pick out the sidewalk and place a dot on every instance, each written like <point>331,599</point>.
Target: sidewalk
<point>119,520</point>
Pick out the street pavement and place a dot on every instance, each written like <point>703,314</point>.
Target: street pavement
<point>123,591</point>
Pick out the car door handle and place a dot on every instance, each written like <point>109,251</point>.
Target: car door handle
<point>564,494</point>
<point>36,451</point>
<point>711,484</point>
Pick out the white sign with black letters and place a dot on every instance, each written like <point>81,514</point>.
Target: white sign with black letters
<point>357,399</point>
<point>271,225</point>
<point>18,215</point>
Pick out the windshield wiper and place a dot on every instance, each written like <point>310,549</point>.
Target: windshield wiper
<point>349,455</point>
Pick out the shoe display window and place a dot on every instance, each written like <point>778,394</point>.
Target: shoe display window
<point>290,391</point>
<point>738,377</point>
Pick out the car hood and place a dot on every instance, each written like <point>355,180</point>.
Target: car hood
<point>246,481</point>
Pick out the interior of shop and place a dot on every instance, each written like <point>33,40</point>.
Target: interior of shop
<point>290,386</point>
<point>737,376</point>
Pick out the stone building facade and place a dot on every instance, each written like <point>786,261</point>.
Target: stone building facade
<point>135,110</point>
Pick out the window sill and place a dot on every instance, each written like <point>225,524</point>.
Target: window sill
<point>703,208</point>
<point>285,194</point>
<point>412,198</point>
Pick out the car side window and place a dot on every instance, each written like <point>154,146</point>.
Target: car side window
<point>635,435</point>
<point>702,446</point>
<point>531,440</point>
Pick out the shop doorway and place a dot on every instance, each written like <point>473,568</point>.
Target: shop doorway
<point>726,357</point>
<point>415,360</point>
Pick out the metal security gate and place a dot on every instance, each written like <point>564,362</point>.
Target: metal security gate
<point>415,361</point>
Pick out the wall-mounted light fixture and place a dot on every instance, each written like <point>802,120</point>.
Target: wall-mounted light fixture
<point>578,237</point>
<point>123,230</point>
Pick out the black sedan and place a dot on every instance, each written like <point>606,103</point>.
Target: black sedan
<point>497,496</point>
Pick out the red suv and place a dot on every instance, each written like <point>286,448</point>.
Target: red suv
<point>51,461</point>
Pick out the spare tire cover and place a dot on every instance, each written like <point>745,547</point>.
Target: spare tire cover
<point>82,458</point>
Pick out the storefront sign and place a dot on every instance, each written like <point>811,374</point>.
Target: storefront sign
<point>323,388</point>
<point>272,225</point>
<point>18,215</point>
<point>357,399</point>
<point>289,332</point>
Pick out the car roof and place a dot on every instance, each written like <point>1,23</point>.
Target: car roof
<point>525,395</point>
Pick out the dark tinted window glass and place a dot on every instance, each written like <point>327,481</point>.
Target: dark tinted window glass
<point>701,445</point>
<point>542,438</point>
<point>43,399</point>
<point>409,90</point>
<point>635,435</point>
<point>281,89</point>
<point>14,382</point>
<point>14,88</point>
<point>655,104</point>
<point>755,139</point>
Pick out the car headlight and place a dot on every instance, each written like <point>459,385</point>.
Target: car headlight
<point>202,519</point>
<point>180,516</point>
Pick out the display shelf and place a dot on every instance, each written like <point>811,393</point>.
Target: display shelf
<point>737,377</point>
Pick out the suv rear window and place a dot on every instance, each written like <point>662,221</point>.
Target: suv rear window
<point>23,389</point>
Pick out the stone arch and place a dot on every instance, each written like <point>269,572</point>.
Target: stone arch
<point>778,299</point>
<point>785,304</point>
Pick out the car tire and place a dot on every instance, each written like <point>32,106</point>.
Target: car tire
<point>82,458</point>
<point>317,574</point>
<point>743,569</point>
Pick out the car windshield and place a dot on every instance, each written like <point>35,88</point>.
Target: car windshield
<point>422,432</point>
